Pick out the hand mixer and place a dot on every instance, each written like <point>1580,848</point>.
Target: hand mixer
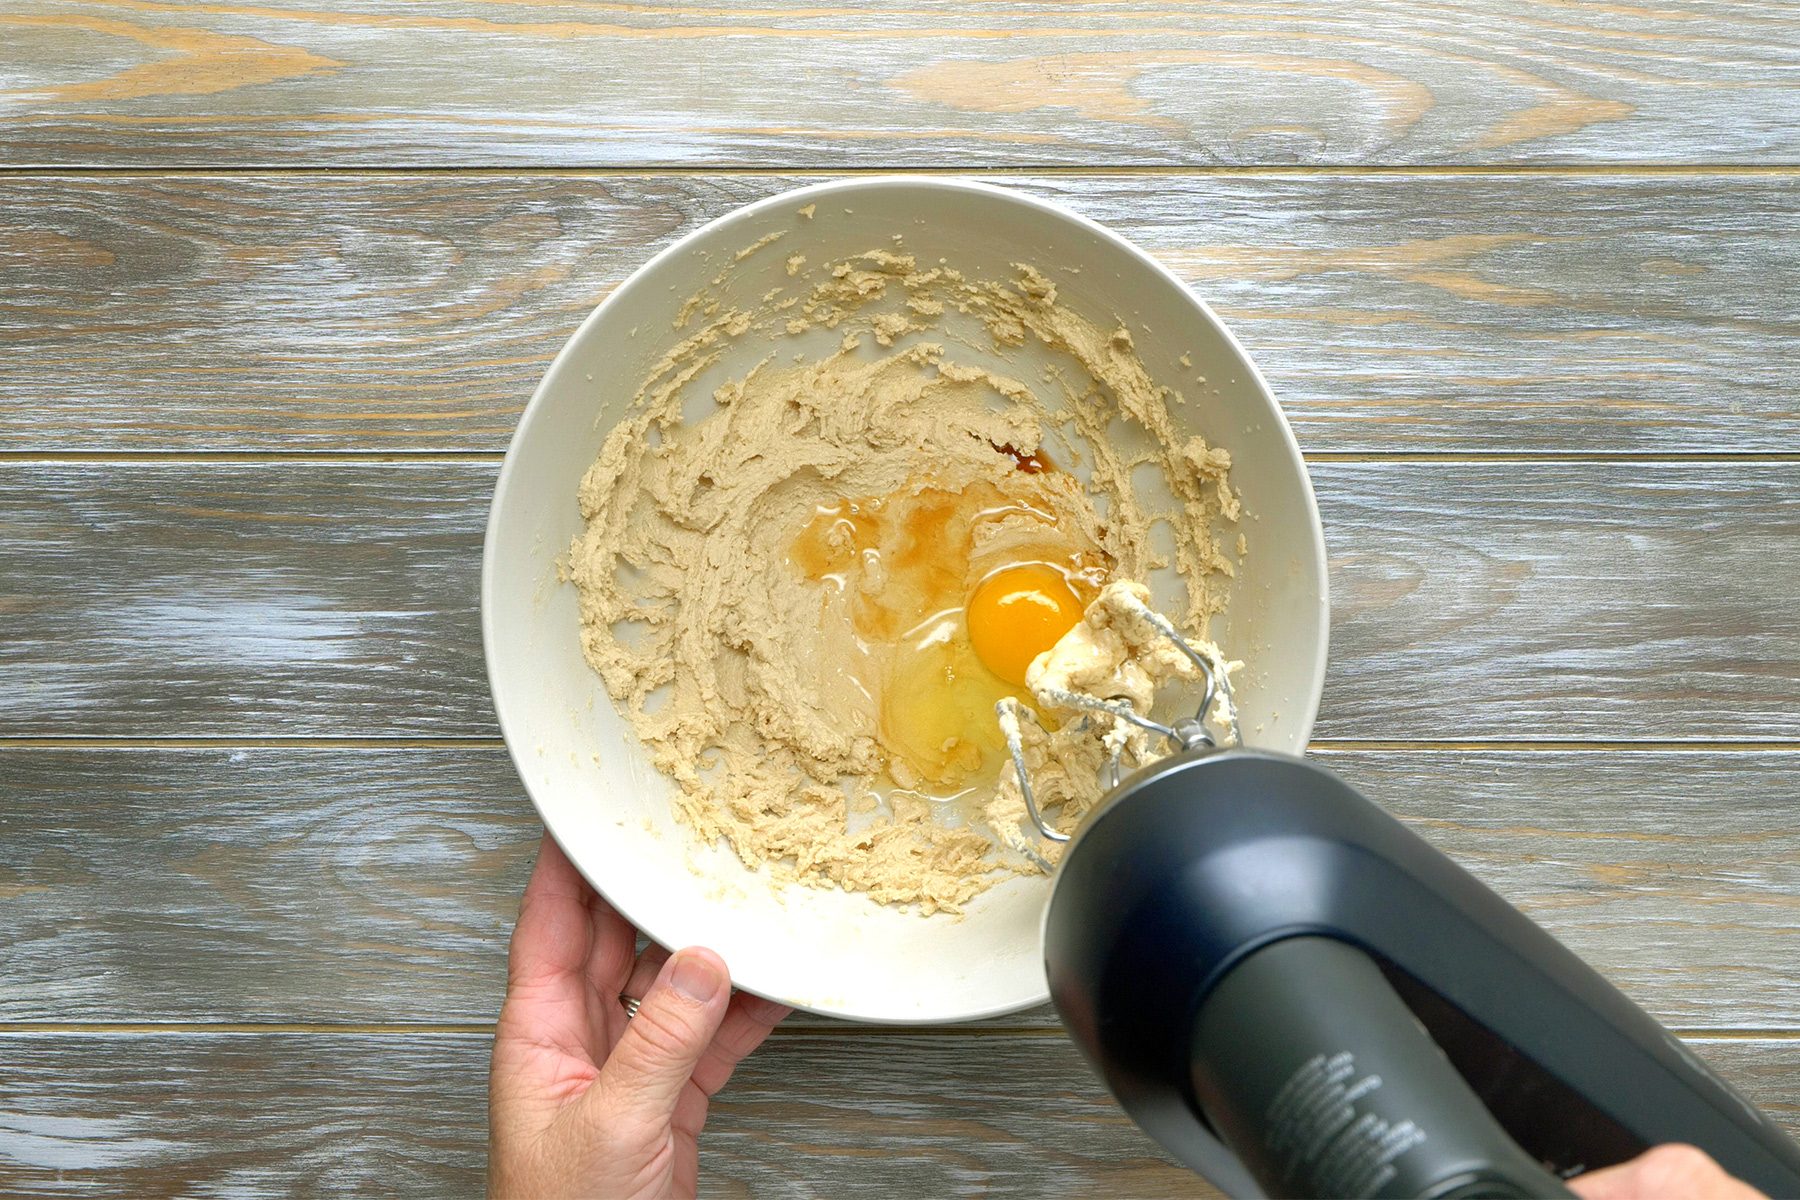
<point>1297,996</point>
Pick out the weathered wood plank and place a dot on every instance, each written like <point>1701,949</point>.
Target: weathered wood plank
<point>1551,601</point>
<point>1471,600</point>
<point>1537,315</point>
<point>378,886</point>
<point>243,1115</point>
<point>405,1115</point>
<point>151,82</point>
<point>285,885</point>
<point>265,600</point>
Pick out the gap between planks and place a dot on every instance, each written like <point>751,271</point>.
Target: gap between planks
<point>478,742</point>
<point>1267,170</point>
<point>846,1029</point>
<point>456,457</point>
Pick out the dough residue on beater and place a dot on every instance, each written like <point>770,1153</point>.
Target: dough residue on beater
<point>1113,653</point>
<point>715,645</point>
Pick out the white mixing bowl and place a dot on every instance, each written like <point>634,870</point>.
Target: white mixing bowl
<point>833,952</point>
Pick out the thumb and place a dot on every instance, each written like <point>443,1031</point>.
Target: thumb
<point>643,1077</point>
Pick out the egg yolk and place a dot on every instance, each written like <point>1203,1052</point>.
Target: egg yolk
<point>1016,614</point>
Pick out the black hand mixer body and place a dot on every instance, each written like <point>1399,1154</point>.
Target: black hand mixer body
<point>1297,996</point>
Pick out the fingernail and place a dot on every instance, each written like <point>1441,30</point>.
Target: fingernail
<point>696,977</point>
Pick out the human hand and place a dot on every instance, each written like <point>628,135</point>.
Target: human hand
<point>1672,1172</point>
<point>582,1101</point>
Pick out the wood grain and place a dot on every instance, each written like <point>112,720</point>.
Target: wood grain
<point>255,600</point>
<point>862,1115</point>
<point>159,83</point>
<point>1561,601</point>
<point>1410,314</point>
<point>243,1115</point>
<point>1528,600</point>
<point>1539,314</point>
<point>370,886</point>
<point>378,886</point>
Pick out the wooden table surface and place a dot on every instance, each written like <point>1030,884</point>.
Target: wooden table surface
<point>276,280</point>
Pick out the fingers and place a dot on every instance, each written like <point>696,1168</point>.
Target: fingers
<point>643,1078</point>
<point>614,943</point>
<point>1671,1172</point>
<point>1608,1183</point>
<point>640,978</point>
<point>553,934</point>
<point>546,996</point>
<point>644,972</point>
<point>747,1022</point>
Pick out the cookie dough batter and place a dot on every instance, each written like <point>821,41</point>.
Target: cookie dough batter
<point>739,667</point>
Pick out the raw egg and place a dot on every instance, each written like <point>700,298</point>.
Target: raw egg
<point>927,653</point>
<point>1017,613</point>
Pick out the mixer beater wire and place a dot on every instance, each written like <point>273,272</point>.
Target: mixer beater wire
<point>1186,733</point>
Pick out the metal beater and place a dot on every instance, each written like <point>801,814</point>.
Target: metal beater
<point>1187,733</point>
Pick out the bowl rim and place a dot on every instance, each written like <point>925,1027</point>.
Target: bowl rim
<point>801,196</point>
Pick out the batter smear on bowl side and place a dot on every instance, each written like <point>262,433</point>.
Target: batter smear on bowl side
<point>808,599</point>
